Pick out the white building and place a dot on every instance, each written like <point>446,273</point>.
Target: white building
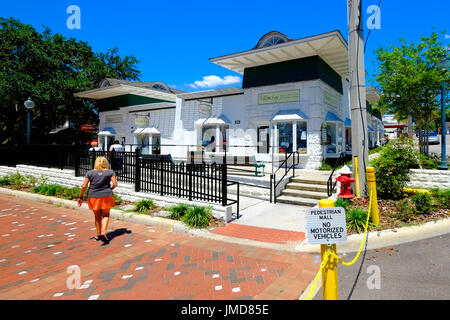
<point>294,98</point>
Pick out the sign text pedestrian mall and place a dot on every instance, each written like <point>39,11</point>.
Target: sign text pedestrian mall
<point>326,225</point>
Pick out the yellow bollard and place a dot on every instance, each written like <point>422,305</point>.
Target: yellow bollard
<point>358,193</point>
<point>329,273</point>
<point>371,183</point>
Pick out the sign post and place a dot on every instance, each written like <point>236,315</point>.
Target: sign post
<point>327,226</point>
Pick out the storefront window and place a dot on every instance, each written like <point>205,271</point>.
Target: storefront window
<point>209,138</point>
<point>302,138</point>
<point>348,139</point>
<point>285,137</point>
<point>331,137</point>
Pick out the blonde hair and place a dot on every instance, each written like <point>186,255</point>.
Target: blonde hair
<point>101,163</point>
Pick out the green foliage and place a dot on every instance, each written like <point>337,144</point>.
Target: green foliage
<point>117,199</point>
<point>409,80</point>
<point>405,210</point>
<point>343,203</point>
<point>422,202</point>
<point>198,216</point>
<point>54,190</point>
<point>441,198</point>
<point>430,162</point>
<point>178,211</point>
<point>392,168</point>
<point>18,180</point>
<point>325,166</point>
<point>144,206</point>
<point>51,69</point>
<point>356,219</point>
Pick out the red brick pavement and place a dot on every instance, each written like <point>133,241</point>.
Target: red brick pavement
<point>38,242</point>
<point>260,234</point>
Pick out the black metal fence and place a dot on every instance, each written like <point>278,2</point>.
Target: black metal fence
<point>162,176</point>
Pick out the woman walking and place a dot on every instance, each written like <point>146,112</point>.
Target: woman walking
<point>100,196</point>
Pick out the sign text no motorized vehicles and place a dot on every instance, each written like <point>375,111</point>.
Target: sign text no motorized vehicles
<point>326,225</point>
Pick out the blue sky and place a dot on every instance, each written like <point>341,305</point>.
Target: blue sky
<point>173,40</point>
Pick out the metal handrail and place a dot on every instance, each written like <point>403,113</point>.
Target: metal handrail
<point>330,185</point>
<point>287,170</point>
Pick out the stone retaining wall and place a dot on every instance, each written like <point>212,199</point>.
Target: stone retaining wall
<point>67,178</point>
<point>427,179</point>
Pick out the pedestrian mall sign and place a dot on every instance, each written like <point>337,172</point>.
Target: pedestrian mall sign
<point>326,225</point>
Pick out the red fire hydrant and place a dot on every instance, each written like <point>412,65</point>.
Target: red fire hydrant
<point>345,179</point>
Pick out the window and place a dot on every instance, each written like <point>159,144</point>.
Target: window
<point>272,41</point>
<point>335,137</point>
<point>159,86</point>
<point>302,138</point>
<point>285,137</point>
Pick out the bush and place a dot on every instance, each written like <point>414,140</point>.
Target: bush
<point>198,217</point>
<point>405,210</point>
<point>144,206</point>
<point>356,219</point>
<point>343,203</point>
<point>441,198</point>
<point>54,190</point>
<point>422,202</point>
<point>117,199</point>
<point>18,180</point>
<point>392,168</point>
<point>178,211</point>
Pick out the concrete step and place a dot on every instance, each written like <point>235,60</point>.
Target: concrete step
<point>319,181</point>
<point>297,201</point>
<point>304,194</point>
<point>307,187</point>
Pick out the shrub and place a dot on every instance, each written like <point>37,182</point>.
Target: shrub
<point>356,219</point>
<point>144,206</point>
<point>422,202</point>
<point>343,203</point>
<point>198,217</point>
<point>392,168</point>
<point>18,180</point>
<point>178,211</point>
<point>441,198</point>
<point>117,199</point>
<point>405,210</point>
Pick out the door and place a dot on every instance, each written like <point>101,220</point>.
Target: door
<point>263,140</point>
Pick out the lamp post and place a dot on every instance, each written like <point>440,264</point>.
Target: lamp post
<point>443,64</point>
<point>29,104</point>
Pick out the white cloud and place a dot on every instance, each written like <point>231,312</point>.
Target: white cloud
<point>215,81</point>
<point>447,36</point>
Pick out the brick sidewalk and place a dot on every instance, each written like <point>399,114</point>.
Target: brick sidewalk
<point>39,241</point>
<point>260,234</point>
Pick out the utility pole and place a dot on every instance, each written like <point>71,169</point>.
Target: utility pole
<point>357,75</point>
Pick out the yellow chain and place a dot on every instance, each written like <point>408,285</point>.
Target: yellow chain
<point>325,259</point>
<point>363,239</point>
<point>328,253</point>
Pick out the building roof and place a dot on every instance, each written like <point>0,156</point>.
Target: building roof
<point>211,93</point>
<point>330,46</point>
<point>109,88</point>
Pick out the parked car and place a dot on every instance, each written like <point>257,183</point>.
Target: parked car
<point>433,138</point>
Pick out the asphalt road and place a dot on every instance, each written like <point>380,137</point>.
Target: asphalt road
<point>412,271</point>
<point>436,148</point>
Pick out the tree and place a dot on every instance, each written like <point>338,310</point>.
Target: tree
<point>51,69</point>
<point>409,80</point>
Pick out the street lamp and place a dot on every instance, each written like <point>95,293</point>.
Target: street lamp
<point>443,64</point>
<point>29,104</point>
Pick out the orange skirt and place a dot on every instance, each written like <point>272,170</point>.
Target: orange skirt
<point>103,203</point>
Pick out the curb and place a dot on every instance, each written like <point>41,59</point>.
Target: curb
<point>385,238</point>
<point>376,239</point>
